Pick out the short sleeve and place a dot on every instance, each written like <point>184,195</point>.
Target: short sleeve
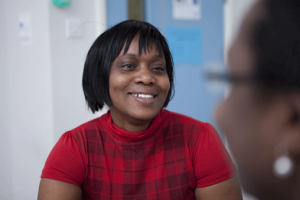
<point>211,160</point>
<point>65,162</point>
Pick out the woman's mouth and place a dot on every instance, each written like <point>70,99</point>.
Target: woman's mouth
<point>144,98</point>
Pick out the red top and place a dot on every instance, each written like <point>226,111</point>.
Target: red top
<point>168,160</point>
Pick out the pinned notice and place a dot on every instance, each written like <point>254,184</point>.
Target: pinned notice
<point>187,9</point>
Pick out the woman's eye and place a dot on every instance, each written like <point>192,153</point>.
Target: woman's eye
<point>158,69</point>
<point>128,67</point>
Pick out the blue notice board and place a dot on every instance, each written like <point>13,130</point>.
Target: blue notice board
<point>186,44</point>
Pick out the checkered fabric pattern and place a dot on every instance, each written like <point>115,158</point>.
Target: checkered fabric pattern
<point>168,160</point>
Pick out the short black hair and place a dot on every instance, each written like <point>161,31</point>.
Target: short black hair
<point>276,43</point>
<point>107,47</point>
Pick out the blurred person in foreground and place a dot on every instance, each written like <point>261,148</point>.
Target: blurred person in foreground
<point>137,150</point>
<point>260,115</point>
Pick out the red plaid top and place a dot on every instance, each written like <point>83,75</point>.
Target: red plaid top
<point>168,160</point>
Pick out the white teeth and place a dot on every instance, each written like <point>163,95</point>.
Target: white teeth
<point>148,96</point>
<point>145,96</point>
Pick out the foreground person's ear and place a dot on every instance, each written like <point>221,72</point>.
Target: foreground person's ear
<point>281,126</point>
<point>293,138</point>
<point>287,149</point>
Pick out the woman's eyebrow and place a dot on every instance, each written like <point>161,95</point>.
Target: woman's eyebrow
<point>137,55</point>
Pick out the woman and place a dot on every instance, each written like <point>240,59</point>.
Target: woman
<point>137,150</point>
<point>260,116</point>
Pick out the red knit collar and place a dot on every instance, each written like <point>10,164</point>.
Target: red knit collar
<point>127,136</point>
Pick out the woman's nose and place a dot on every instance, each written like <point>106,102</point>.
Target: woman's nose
<point>145,76</point>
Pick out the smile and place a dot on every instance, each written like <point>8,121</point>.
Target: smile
<point>147,96</point>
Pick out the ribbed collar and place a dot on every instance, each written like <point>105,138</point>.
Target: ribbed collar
<point>127,136</point>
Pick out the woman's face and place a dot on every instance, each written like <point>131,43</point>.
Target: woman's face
<point>138,87</point>
<point>249,123</point>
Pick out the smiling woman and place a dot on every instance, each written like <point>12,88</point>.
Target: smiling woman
<point>138,86</point>
<point>137,150</point>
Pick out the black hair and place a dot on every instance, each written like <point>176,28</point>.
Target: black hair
<point>276,43</point>
<point>107,47</point>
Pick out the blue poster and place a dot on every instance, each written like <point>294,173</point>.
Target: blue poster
<point>186,45</point>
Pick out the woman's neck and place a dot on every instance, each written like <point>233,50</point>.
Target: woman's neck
<point>129,124</point>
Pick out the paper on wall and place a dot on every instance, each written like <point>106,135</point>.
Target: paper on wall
<point>187,9</point>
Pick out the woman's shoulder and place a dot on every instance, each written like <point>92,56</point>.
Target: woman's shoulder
<point>190,129</point>
<point>187,124</point>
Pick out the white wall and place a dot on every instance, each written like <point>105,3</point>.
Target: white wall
<point>5,141</point>
<point>40,85</point>
<point>27,101</point>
